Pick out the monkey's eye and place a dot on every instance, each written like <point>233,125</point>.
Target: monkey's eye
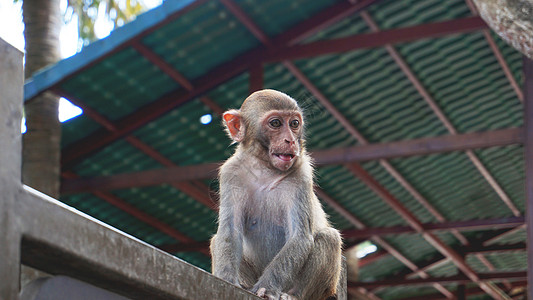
<point>275,123</point>
<point>295,123</point>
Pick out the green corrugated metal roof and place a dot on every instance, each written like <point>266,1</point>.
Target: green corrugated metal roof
<point>370,90</point>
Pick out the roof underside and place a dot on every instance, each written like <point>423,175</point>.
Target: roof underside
<point>144,88</point>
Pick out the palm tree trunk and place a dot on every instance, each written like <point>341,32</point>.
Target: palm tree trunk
<point>41,143</point>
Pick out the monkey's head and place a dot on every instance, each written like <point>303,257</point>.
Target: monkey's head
<point>269,125</point>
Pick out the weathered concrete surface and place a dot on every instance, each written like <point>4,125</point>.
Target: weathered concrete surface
<point>11,82</point>
<point>60,240</point>
<point>65,288</point>
<point>512,20</point>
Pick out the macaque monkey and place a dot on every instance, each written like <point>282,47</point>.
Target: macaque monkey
<point>273,236</point>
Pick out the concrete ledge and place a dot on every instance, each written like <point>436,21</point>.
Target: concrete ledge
<point>60,240</point>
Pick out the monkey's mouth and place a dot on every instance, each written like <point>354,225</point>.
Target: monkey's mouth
<point>284,156</point>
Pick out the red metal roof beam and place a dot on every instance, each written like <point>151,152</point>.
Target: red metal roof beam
<point>378,240</point>
<point>256,78</point>
<point>459,261</point>
<point>468,292</point>
<point>443,280</point>
<point>174,174</point>
<point>470,225</point>
<point>376,39</point>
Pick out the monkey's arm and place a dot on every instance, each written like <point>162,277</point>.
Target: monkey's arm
<point>226,245</point>
<point>282,271</point>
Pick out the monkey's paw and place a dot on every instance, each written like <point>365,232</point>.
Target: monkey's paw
<point>262,292</point>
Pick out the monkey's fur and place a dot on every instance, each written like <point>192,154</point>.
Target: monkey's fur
<point>273,236</point>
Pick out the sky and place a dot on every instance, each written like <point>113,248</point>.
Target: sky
<point>12,31</point>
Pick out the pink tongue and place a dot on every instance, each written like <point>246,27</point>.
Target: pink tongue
<point>285,157</point>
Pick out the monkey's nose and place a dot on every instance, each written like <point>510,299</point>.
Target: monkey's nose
<point>290,142</point>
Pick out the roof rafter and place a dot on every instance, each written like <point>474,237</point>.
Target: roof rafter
<point>474,246</point>
<point>442,117</point>
<point>376,39</point>
<point>437,243</point>
<point>442,280</point>
<point>460,225</point>
<point>378,240</point>
<point>174,74</point>
<point>364,152</point>
<point>362,140</point>
<point>468,292</point>
<point>256,78</point>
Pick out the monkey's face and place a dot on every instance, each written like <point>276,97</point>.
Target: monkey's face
<point>283,132</point>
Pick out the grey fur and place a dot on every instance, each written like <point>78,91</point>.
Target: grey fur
<point>273,236</point>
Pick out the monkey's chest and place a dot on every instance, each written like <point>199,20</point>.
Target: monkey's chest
<point>262,240</point>
<point>265,226</point>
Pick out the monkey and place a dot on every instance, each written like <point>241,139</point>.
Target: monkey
<point>273,236</point>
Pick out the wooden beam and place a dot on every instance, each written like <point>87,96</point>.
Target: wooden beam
<point>423,146</point>
<point>149,112</point>
<point>442,280</point>
<point>376,39</point>
<point>469,225</point>
<point>528,156</point>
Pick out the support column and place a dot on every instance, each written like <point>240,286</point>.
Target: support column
<point>256,78</point>
<point>11,87</point>
<point>528,156</point>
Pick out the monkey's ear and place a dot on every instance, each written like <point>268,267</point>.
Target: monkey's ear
<point>236,130</point>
